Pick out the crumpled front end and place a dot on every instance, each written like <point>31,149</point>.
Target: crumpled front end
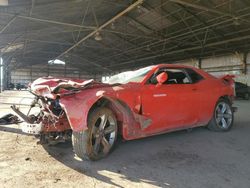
<point>50,120</point>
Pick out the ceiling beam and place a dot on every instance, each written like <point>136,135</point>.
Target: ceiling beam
<point>178,36</point>
<point>193,5</point>
<point>83,20</point>
<point>69,44</point>
<point>138,2</point>
<point>91,63</point>
<point>30,13</point>
<point>185,49</point>
<point>203,22</point>
<point>48,21</point>
<point>8,24</point>
<point>246,2</point>
<point>74,25</point>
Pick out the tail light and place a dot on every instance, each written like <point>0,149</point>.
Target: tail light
<point>228,80</point>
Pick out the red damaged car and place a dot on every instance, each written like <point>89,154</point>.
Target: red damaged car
<point>135,104</point>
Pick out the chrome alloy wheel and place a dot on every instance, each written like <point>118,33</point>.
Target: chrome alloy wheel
<point>223,115</point>
<point>103,134</point>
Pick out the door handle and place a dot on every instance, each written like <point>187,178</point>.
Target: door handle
<point>160,95</point>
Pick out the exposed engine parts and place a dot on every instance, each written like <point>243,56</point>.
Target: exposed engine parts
<point>49,123</point>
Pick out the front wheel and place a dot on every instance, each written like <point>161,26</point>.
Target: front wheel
<point>99,139</point>
<point>223,117</point>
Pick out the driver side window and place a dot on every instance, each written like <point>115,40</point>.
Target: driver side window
<point>175,76</point>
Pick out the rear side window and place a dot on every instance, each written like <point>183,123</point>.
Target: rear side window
<point>195,77</point>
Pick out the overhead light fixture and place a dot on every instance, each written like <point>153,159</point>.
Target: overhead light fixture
<point>98,36</point>
<point>56,62</point>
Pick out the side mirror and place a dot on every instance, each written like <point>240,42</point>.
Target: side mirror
<point>161,78</point>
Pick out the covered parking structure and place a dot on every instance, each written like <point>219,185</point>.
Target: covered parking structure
<point>100,38</point>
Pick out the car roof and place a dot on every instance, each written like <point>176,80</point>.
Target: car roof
<point>200,71</point>
<point>174,65</point>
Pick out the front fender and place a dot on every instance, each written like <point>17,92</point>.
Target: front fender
<point>77,108</point>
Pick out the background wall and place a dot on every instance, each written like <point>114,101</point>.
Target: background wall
<point>228,64</point>
<point>26,75</point>
<point>216,65</point>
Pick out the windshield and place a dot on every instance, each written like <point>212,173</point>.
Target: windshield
<point>130,76</point>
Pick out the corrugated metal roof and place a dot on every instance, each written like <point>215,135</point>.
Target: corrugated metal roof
<point>33,32</point>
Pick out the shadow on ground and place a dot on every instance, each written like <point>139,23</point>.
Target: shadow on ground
<point>145,160</point>
<point>199,158</point>
<point>10,129</point>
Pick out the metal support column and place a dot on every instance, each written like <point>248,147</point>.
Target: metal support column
<point>48,71</point>
<point>31,70</point>
<point>199,63</point>
<point>1,75</point>
<point>65,71</point>
<point>244,63</point>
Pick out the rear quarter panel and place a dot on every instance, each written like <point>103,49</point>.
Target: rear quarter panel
<point>212,90</point>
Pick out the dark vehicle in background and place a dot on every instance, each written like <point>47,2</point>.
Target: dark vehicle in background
<point>11,86</point>
<point>242,90</point>
<point>20,86</point>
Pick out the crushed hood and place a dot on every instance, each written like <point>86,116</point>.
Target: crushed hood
<point>48,86</point>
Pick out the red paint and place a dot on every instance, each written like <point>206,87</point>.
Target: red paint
<point>143,109</point>
<point>58,126</point>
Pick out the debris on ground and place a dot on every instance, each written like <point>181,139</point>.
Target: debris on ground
<point>27,159</point>
<point>9,119</point>
<point>57,179</point>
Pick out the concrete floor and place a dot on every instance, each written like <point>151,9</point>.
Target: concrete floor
<point>200,158</point>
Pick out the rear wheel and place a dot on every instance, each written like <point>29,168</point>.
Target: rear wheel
<point>99,139</point>
<point>223,116</point>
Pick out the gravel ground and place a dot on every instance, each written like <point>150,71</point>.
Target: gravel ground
<point>199,158</point>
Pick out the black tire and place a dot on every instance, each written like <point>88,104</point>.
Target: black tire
<point>246,96</point>
<point>222,121</point>
<point>99,139</point>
